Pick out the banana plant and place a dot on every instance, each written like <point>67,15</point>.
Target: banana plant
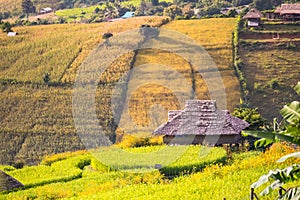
<point>279,177</point>
<point>291,114</point>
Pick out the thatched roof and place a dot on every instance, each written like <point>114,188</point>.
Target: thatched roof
<point>278,10</point>
<point>288,9</point>
<point>253,14</point>
<point>7,182</point>
<point>201,117</point>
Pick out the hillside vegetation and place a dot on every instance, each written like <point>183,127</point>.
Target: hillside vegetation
<point>271,66</point>
<point>13,6</point>
<point>32,111</point>
<point>57,49</point>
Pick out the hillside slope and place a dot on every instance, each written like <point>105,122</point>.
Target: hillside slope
<point>10,5</point>
<point>215,36</point>
<point>271,67</point>
<point>32,112</point>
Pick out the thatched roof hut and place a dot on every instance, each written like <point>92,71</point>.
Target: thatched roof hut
<point>289,11</point>
<point>7,182</point>
<point>253,17</point>
<point>201,122</point>
<point>253,14</point>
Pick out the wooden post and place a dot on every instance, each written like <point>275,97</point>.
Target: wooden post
<point>252,195</point>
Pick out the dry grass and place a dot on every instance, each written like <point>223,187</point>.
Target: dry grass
<point>10,5</point>
<point>37,109</point>
<point>159,76</point>
<point>215,36</point>
<point>57,49</point>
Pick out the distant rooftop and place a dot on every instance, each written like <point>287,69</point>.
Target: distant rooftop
<point>128,15</point>
<point>288,9</point>
<point>253,14</point>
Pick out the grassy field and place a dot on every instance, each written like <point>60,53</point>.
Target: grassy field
<point>57,49</point>
<point>215,181</point>
<point>215,36</point>
<point>42,109</point>
<point>166,79</point>
<point>153,82</point>
<point>10,5</point>
<point>74,14</point>
<point>34,105</point>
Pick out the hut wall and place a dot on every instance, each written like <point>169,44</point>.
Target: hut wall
<point>201,139</point>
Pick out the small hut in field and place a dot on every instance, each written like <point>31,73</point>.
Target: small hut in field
<point>7,182</point>
<point>253,18</point>
<point>201,122</point>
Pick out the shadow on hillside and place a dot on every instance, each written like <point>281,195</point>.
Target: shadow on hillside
<point>174,171</point>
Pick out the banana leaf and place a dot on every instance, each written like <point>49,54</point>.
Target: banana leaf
<point>297,88</point>
<point>272,136</point>
<point>291,112</point>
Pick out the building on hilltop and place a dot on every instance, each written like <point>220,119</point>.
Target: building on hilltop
<point>201,122</point>
<point>253,18</point>
<point>288,12</point>
<point>128,15</point>
<point>46,10</point>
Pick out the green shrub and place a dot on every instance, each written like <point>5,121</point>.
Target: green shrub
<point>273,83</point>
<point>6,27</point>
<point>19,164</point>
<point>133,141</point>
<point>250,115</point>
<point>258,87</point>
<point>83,162</point>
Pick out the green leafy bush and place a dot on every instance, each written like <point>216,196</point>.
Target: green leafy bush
<point>6,27</point>
<point>133,141</point>
<point>250,115</point>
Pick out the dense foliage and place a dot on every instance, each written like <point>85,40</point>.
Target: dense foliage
<point>28,7</point>
<point>250,115</point>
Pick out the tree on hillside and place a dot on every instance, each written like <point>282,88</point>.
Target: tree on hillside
<point>266,4</point>
<point>6,27</point>
<point>172,11</point>
<point>142,8</point>
<point>28,7</point>
<point>155,2</point>
<point>106,37</point>
<point>46,78</point>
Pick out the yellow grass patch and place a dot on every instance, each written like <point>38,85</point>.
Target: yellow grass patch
<point>215,36</point>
